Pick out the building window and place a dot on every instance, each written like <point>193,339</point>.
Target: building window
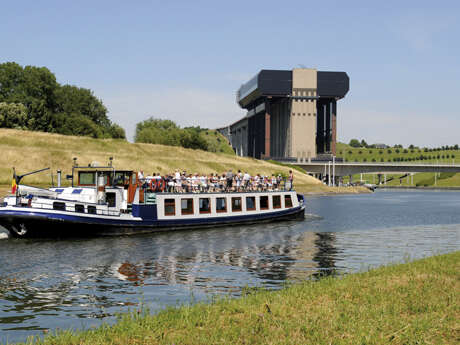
<point>276,201</point>
<point>205,205</point>
<point>170,207</point>
<point>186,206</point>
<point>264,202</point>
<point>79,208</point>
<point>250,203</point>
<point>60,206</point>
<point>221,205</point>
<point>287,201</point>
<point>236,204</point>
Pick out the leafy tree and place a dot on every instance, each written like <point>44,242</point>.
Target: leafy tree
<point>354,143</point>
<point>363,143</point>
<point>166,132</point>
<point>51,107</point>
<point>13,115</point>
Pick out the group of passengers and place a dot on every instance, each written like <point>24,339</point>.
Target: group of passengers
<point>181,182</point>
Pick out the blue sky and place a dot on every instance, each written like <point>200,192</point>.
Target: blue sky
<point>184,60</point>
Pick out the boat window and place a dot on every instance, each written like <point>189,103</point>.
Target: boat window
<point>221,205</point>
<point>250,203</point>
<point>205,205</point>
<point>79,208</point>
<point>92,209</point>
<point>264,202</point>
<point>121,179</point>
<point>111,199</point>
<point>236,204</point>
<point>287,201</point>
<point>186,206</point>
<point>170,207</point>
<point>59,206</point>
<point>86,178</point>
<point>276,201</point>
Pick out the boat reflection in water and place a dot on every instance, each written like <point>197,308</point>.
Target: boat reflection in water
<point>57,282</point>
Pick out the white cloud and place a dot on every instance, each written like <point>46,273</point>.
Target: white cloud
<point>185,106</point>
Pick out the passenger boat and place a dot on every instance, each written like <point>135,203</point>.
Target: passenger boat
<point>105,201</point>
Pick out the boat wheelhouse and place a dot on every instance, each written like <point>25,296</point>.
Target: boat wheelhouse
<point>105,201</point>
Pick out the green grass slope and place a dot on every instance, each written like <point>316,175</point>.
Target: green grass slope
<point>404,156</point>
<point>414,303</point>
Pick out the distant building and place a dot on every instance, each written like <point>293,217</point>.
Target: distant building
<point>380,146</point>
<point>290,114</point>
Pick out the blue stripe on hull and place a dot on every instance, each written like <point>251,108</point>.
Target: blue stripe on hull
<point>38,223</point>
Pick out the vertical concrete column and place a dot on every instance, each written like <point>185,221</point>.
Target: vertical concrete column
<point>267,129</point>
<point>334,127</point>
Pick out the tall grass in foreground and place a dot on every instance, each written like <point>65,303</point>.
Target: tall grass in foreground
<point>413,303</point>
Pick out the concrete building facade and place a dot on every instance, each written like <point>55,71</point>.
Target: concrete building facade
<point>290,114</point>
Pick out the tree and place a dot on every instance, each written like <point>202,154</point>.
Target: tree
<point>51,107</point>
<point>354,143</point>
<point>13,115</point>
<point>166,132</point>
<point>363,143</point>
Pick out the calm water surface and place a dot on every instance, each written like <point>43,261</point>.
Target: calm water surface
<point>49,284</point>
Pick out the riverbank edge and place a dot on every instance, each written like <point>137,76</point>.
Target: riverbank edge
<point>430,188</point>
<point>413,303</point>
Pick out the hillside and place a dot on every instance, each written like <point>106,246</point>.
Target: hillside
<point>27,151</point>
<point>216,141</point>
<point>404,155</point>
<point>394,155</point>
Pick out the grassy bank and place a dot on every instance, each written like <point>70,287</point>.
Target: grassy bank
<point>413,303</point>
<point>28,151</point>
<point>404,156</point>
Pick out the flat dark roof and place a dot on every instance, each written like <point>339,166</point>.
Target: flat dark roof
<point>278,83</point>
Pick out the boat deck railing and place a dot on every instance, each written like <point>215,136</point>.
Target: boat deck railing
<point>46,206</point>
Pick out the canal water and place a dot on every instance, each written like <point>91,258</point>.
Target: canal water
<point>80,283</point>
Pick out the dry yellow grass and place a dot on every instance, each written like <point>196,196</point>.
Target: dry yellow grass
<point>27,151</point>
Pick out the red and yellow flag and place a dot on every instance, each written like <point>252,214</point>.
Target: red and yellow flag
<point>14,186</point>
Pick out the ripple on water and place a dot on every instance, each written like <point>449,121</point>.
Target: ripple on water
<point>80,283</point>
